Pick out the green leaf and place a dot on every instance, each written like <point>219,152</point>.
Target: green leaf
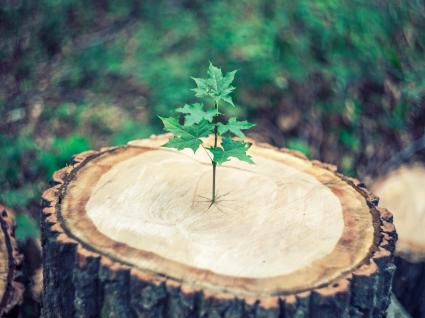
<point>228,100</point>
<point>202,89</point>
<point>231,148</point>
<point>173,126</point>
<point>216,86</point>
<point>215,76</point>
<point>234,126</point>
<point>195,113</point>
<point>219,156</point>
<point>186,136</point>
<point>228,79</point>
<point>181,143</point>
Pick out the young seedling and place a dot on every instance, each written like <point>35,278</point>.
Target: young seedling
<point>200,122</point>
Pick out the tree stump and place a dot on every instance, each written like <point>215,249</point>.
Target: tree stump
<point>403,191</point>
<point>129,232</point>
<point>11,290</point>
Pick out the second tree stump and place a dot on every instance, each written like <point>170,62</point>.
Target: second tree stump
<point>403,191</point>
<point>11,290</point>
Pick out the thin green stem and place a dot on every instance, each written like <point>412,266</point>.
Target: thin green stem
<point>213,183</point>
<point>214,164</point>
<point>208,154</point>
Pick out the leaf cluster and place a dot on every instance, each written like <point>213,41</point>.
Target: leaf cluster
<point>216,86</point>
<point>200,121</point>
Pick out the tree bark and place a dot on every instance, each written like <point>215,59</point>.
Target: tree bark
<point>90,272</point>
<point>409,286</point>
<point>11,290</point>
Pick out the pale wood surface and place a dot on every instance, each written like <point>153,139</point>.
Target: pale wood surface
<point>267,220</point>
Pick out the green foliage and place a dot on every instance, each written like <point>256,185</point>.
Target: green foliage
<point>19,197</point>
<point>25,227</point>
<point>230,148</point>
<point>277,43</point>
<point>235,127</point>
<point>186,136</point>
<point>195,113</point>
<point>14,153</point>
<point>216,86</point>
<point>349,139</point>
<point>200,123</point>
<point>131,130</point>
<point>299,145</point>
<point>25,162</point>
<point>60,152</point>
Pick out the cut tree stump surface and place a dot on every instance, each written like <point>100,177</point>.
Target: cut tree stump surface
<point>403,191</point>
<point>11,290</point>
<point>129,231</point>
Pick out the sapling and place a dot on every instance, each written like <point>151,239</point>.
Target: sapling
<point>203,120</point>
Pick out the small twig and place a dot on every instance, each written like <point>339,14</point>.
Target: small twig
<point>207,152</point>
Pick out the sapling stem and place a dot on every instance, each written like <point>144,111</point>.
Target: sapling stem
<point>213,182</point>
<point>200,123</point>
<point>214,164</point>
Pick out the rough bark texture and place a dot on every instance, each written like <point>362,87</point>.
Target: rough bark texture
<point>13,289</point>
<point>409,285</point>
<point>32,277</point>
<point>79,282</point>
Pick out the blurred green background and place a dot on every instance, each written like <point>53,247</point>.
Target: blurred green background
<point>342,81</point>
